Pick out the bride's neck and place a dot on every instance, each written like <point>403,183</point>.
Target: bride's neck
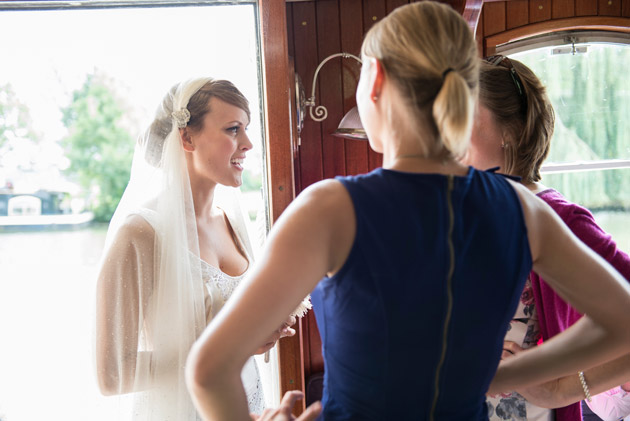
<point>203,196</point>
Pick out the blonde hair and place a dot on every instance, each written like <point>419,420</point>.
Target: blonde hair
<point>428,51</point>
<point>527,119</point>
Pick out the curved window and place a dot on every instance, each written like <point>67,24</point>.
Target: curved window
<point>586,76</point>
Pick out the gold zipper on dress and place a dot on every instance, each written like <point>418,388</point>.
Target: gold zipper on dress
<point>449,292</point>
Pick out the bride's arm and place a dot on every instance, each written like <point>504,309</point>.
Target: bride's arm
<point>123,286</point>
<point>312,237</point>
<point>569,267</point>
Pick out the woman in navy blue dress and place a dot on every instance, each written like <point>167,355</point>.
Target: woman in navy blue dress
<point>417,267</point>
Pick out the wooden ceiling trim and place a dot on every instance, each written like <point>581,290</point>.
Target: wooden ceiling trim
<point>618,24</point>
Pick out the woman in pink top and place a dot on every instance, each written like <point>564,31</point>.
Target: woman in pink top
<point>512,131</point>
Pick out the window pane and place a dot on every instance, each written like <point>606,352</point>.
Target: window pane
<point>118,63</point>
<point>590,93</point>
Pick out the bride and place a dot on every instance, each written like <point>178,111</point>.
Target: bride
<point>176,249</point>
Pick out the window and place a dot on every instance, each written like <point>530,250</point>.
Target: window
<point>121,60</point>
<point>586,79</point>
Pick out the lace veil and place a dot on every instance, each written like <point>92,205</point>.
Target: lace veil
<point>150,294</point>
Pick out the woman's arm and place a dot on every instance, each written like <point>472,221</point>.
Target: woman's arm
<point>123,284</point>
<point>567,390</point>
<point>583,225</point>
<point>569,267</point>
<point>312,238</point>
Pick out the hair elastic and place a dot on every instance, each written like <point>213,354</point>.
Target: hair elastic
<point>447,71</point>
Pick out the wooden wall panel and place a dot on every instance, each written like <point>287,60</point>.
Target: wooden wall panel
<point>373,11</point>
<point>625,8</point>
<point>392,4</point>
<point>562,9</point>
<point>539,10</point>
<point>585,7</point>
<point>493,18</point>
<point>330,85</point>
<point>517,13</point>
<point>305,40</point>
<point>351,39</point>
<point>609,8</point>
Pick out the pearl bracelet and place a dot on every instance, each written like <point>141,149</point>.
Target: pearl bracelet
<point>587,393</point>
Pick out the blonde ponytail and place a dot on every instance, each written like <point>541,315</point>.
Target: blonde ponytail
<point>453,113</point>
<point>429,52</point>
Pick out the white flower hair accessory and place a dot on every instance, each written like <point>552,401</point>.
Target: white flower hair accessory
<point>181,117</point>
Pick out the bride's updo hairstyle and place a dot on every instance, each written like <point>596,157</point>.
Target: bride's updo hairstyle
<point>198,106</point>
<point>428,51</point>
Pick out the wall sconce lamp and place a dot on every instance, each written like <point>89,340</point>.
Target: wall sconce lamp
<point>350,126</point>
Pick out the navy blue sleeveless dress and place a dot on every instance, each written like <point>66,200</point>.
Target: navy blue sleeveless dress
<point>412,325</point>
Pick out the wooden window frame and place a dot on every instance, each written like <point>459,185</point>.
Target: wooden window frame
<point>280,137</point>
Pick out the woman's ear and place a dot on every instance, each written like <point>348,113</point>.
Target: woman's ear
<point>377,81</point>
<point>506,138</point>
<point>186,139</point>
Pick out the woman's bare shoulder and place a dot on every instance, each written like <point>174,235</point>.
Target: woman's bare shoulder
<point>136,229</point>
<point>326,194</point>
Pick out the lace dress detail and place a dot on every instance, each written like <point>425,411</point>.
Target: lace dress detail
<point>220,287</point>
<point>226,284</point>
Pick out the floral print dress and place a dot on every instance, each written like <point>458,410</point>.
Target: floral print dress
<point>523,330</point>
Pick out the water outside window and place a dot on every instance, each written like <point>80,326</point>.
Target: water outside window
<point>76,89</point>
<point>590,93</point>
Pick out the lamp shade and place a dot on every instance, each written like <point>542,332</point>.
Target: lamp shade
<point>350,126</point>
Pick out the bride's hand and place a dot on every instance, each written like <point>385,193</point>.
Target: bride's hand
<point>283,412</point>
<point>281,332</point>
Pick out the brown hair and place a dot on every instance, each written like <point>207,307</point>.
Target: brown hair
<point>198,106</point>
<point>199,103</point>
<point>527,119</point>
<point>428,50</point>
